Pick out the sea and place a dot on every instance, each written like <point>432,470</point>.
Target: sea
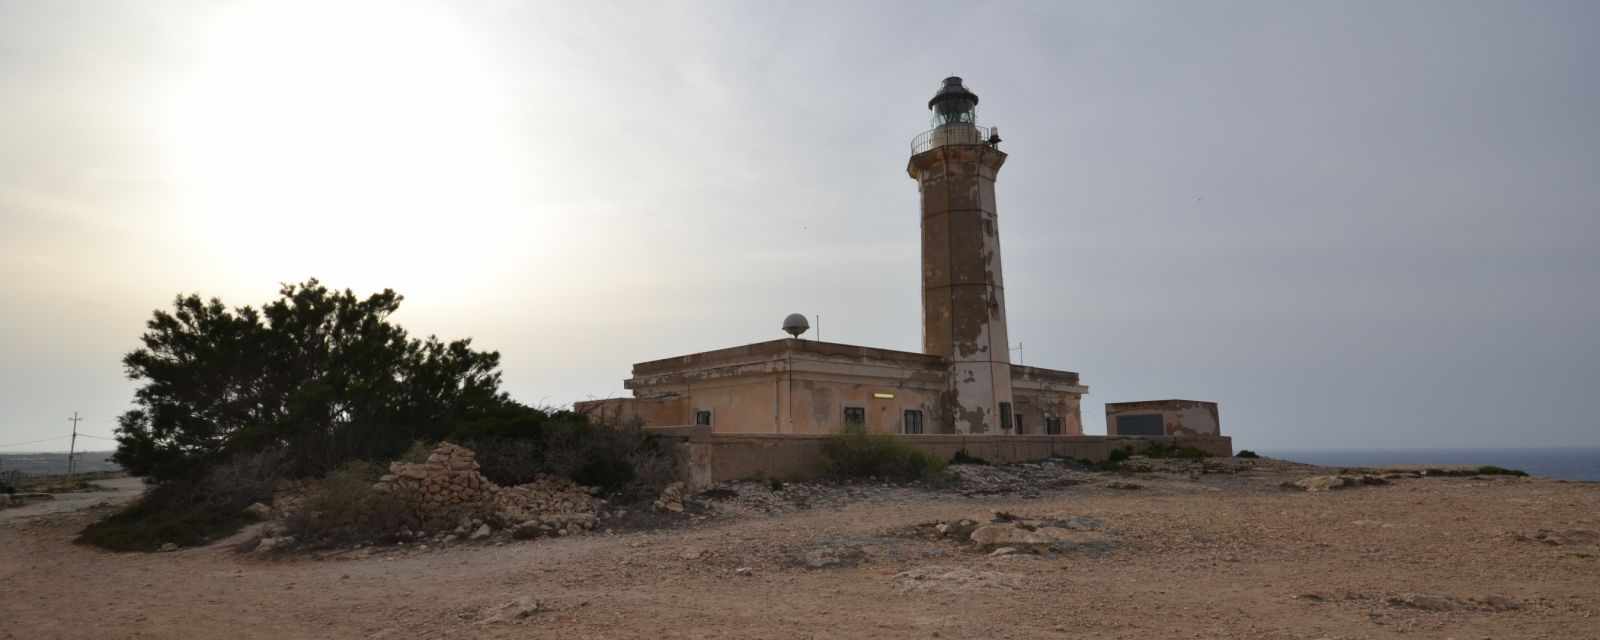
<point>1569,463</point>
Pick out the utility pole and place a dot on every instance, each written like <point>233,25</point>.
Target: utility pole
<point>1018,349</point>
<point>72,448</point>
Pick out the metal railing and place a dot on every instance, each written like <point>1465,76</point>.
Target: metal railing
<point>954,133</point>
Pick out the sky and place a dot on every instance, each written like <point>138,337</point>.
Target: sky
<point>1352,224</point>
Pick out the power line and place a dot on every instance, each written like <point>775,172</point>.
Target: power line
<point>85,435</point>
<point>18,444</point>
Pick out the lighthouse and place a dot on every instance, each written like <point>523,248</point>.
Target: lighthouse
<point>961,382</point>
<point>963,294</point>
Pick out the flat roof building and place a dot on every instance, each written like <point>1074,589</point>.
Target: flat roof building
<point>963,382</point>
<point>1163,418</point>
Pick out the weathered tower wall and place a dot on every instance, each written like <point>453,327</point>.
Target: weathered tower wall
<point>963,294</point>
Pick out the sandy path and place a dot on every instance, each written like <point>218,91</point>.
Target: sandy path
<point>1190,560</point>
<point>120,491</point>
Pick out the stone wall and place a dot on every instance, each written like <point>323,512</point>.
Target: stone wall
<point>704,458</point>
<point>448,488</point>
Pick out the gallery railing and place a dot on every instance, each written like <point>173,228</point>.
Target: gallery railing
<point>950,134</point>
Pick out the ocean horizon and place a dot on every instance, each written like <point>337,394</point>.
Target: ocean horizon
<point>1564,463</point>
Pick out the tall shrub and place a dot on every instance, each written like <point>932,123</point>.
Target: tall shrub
<point>322,375</point>
<point>855,453</point>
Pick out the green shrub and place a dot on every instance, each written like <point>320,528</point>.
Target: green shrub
<point>417,453</point>
<point>343,508</point>
<point>172,512</point>
<point>1491,470</point>
<point>1170,450</point>
<point>854,453</point>
<point>189,512</point>
<point>1119,456</point>
<point>320,372</point>
<point>622,459</point>
<point>962,457</point>
<point>1246,453</point>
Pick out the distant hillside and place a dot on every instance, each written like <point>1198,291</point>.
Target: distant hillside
<point>43,463</point>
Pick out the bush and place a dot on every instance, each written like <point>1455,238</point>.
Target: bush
<point>622,460</point>
<point>321,372</point>
<point>191,511</point>
<point>343,508</point>
<point>962,457</point>
<point>1246,453</point>
<point>417,454</point>
<point>1169,450</point>
<point>1491,470</point>
<point>854,453</point>
<point>1119,456</point>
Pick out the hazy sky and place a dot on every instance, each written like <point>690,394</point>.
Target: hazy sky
<point>1353,224</point>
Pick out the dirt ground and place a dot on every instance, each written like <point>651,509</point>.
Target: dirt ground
<point>1207,556</point>
<point>109,491</point>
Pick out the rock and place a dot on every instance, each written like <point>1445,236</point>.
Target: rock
<point>1498,603</point>
<point>1129,486</point>
<point>482,532</point>
<point>1314,484</point>
<point>833,557</point>
<point>451,538</point>
<point>744,571</point>
<point>1083,523</point>
<point>1425,602</point>
<point>169,547</point>
<point>1004,551</point>
<point>671,499</point>
<point>1008,534</point>
<point>1569,537</point>
<point>955,580</point>
<point>518,609</point>
<point>997,535</point>
<point>259,511</point>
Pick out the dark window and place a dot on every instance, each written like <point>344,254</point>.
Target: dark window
<point>702,417</point>
<point>855,415</point>
<point>1052,426</point>
<point>1149,424</point>
<point>913,421</point>
<point>1005,415</point>
<point>1020,428</point>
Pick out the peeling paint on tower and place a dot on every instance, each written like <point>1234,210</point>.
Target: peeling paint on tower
<point>963,296</point>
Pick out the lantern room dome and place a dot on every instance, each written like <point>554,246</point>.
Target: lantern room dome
<point>954,104</point>
<point>953,90</point>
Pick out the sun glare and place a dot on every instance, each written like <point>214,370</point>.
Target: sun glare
<point>369,146</point>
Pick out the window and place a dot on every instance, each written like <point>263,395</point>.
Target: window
<point>1052,426</point>
<point>1149,424</point>
<point>913,422</point>
<point>702,417</point>
<point>855,416</point>
<point>1005,415</point>
<point>1020,429</point>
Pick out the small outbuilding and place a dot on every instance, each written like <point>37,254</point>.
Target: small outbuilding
<point>1163,418</point>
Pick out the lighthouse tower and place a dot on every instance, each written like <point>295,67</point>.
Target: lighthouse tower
<point>963,294</point>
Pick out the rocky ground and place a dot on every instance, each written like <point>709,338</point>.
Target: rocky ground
<point>1178,549</point>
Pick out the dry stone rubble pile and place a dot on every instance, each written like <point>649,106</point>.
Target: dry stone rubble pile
<point>448,488</point>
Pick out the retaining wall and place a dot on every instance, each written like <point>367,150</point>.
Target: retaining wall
<point>705,458</point>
